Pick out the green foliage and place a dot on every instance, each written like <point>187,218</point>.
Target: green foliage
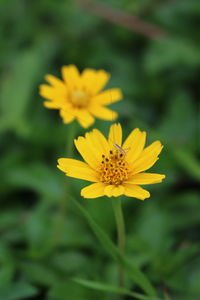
<point>18,291</point>
<point>133,272</point>
<point>109,288</point>
<point>47,249</point>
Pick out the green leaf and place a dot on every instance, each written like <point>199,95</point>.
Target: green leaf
<point>109,288</point>
<point>187,161</point>
<point>6,274</point>
<point>18,85</point>
<point>194,279</point>
<point>66,289</point>
<point>39,273</point>
<point>38,233</point>
<point>153,219</point>
<point>37,176</point>
<point>18,291</point>
<point>8,219</point>
<point>166,296</point>
<point>130,268</point>
<point>165,54</point>
<point>179,128</point>
<point>69,261</point>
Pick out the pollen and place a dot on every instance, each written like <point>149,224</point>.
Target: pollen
<point>114,168</point>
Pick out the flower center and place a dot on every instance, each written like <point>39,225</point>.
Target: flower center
<point>79,99</point>
<point>113,169</point>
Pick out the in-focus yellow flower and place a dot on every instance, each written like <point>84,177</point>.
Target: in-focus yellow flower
<point>79,96</point>
<point>115,168</point>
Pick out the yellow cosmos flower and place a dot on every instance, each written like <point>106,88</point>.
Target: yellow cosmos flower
<point>79,96</point>
<point>115,168</point>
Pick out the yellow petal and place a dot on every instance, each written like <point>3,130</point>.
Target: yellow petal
<point>94,190</point>
<point>47,91</point>
<point>88,78</point>
<point>115,135</point>
<point>51,105</point>
<point>118,191</point>
<point>67,116</point>
<point>57,103</point>
<point>148,157</point>
<point>97,145</point>
<point>102,78</point>
<point>77,169</point>
<point>84,149</point>
<point>99,142</point>
<point>135,191</point>
<point>108,97</point>
<point>71,76</point>
<point>93,81</point>
<point>84,118</point>
<point>56,82</point>
<point>114,191</point>
<point>92,147</point>
<point>134,144</point>
<point>52,93</point>
<point>146,178</point>
<point>102,112</point>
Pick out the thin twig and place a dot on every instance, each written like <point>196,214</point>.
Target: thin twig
<point>121,18</point>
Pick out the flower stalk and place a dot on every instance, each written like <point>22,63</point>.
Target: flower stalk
<point>69,151</point>
<point>119,218</point>
<point>70,140</point>
<point>64,201</point>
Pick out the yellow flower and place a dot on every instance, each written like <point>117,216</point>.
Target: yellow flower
<point>79,96</point>
<point>114,168</point>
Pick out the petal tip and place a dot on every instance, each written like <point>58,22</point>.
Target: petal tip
<point>82,193</point>
<point>146,196</point>
<point>60,160</point>
<point>60,168</point>
<point>47,76</point>
<point>162,177</point>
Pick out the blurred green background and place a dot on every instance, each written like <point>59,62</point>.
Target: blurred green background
<point>43,242</point>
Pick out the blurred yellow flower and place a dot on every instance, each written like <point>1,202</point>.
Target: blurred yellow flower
<point>79,96</point>
<point>115,168</point>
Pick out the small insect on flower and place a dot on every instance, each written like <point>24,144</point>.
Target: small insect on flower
<point>79,95</point>
<point>117,147</point>
<point>120,149</point>
<point>112,170</point>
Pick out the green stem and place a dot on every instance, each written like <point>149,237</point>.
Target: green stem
<point>117,207</point>
<point>64,201</point>
<point>70,139</point>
